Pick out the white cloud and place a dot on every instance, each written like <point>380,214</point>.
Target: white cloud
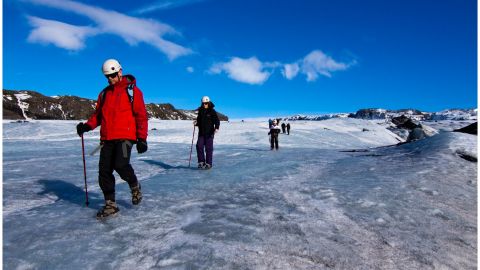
<point>290,70</point>
<point>60,34</point>
<point>190,69</point>
<point>132,30</point>
<point>313,65</point>
<point>253,71</point>
<point>250,70</point>
<point>164,4</point>
<point>317,63</point>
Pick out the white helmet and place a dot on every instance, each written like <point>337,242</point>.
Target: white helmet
<point>205,99</point>
<point>111,66</point>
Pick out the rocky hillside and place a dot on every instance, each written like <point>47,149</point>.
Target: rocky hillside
<point>25,105</point>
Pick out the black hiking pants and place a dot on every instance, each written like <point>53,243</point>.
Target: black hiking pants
<point>115,155</point>
<point>274,140</point>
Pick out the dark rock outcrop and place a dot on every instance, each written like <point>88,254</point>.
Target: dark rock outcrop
<point>404,122</point>
<point>416,134</point>
<point>370,114</point>
<point>470,129</point>
<point>407,129</point>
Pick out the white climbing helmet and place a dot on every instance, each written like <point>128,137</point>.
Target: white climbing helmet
<point>205,99</point>
<point>111,66</point>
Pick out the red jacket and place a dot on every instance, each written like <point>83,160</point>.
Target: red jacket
<point>118,117</point>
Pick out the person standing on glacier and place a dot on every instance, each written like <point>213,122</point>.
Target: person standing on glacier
<point>208,125</point>
<point>274,131</point>
<point>121,113</point>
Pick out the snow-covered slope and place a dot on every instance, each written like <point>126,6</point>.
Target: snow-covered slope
<point>455,114</point>
<point>334,196</point>
<point>449,114</point>
<point>329,134</point>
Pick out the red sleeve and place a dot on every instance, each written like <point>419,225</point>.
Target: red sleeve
<point>140,114</point>
<point>94,120</point>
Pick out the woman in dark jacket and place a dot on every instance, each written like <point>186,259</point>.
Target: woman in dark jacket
<point>208,124</point>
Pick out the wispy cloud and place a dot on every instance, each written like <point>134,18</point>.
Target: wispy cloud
<point>190,69</point>
<point>317,63</point>
<point>250,70</point>
<point>60,34</point>
<point>253,71</point>
<point>164,4</point>
<point>132,30</point>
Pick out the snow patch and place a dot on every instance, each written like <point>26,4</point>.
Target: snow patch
<point>22,96</point>
<point>23,105</point>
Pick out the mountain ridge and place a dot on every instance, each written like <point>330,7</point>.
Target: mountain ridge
<point>29,104</point>
<point>378,114</point>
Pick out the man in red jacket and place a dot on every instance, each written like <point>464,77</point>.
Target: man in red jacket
<point>121,113</point>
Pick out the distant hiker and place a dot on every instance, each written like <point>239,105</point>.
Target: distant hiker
<point>121,113</point>
<point>208,124</point>
<point>288,128</point>
<point>274,131</point>
<point>283,127</point>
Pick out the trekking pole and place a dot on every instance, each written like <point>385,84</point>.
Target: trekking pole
<point>84,172</point>
<point>191,147</point>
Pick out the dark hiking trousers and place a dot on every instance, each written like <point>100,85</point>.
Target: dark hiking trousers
<point>115,155</point>
<point>205,142</point>
<point>274,140</point>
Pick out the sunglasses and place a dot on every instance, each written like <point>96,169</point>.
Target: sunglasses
<point>111,76</point>
<point>205,103</point>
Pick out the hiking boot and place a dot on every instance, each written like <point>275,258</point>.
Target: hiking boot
<point>207,166</point>
<point>110,209</point>
<point>201,165</point>
<point>136,195</point>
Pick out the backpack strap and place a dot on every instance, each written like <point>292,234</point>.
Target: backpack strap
<point>130,93</point>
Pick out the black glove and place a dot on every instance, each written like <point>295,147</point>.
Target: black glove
<point>82,128</point>
<point>141,146</point>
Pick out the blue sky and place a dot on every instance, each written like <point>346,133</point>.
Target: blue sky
<point>253,58</point>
